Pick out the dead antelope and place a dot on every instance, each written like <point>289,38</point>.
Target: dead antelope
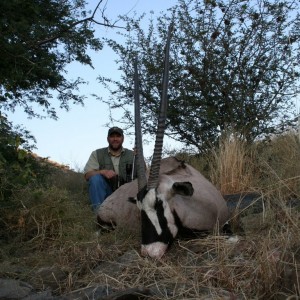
<point>174,195</point>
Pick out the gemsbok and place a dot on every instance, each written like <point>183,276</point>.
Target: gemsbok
<point>174,196</point>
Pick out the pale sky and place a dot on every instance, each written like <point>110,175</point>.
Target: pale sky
<point>72,138</point>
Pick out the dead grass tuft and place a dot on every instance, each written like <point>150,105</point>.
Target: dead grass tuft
<point>279,165</point>
<point>232,165</point>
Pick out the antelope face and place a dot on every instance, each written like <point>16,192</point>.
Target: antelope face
<point>158,224</point>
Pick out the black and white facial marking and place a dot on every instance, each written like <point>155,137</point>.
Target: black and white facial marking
<point>158,223</point>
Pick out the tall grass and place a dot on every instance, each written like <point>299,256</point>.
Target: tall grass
<point>279,161</point>
<point>232,165</point>
<point>272,166</point>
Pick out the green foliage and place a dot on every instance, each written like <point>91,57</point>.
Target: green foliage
<point>18,167</point>
<point>45,214</point>
<point>37,40</point>
<point>234,66</point>
<point>39,200</point>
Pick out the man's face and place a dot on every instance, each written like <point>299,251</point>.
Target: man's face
<point>115,141</point>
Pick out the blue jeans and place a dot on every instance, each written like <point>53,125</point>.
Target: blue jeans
<point>99,190</point>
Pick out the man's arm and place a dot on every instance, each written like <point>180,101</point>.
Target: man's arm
<point>106,173</point>
<point>91,168</point>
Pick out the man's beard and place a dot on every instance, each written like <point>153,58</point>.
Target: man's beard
<point>115,147</point>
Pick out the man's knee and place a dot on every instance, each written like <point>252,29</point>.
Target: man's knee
<point>99,185</point>
<point>97,180</point>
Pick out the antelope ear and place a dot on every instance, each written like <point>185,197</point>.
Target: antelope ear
<point>183,188</point>
<point>132,200</point>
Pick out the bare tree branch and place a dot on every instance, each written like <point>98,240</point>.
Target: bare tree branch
<point>91,19</point>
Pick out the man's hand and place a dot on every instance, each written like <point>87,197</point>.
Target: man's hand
<point>108,173</point>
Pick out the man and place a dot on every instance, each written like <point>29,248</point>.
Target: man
<point>109,167</point>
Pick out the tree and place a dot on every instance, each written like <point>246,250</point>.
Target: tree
<point>37,41</point>
<point>234,66</point>
<point>16,166</point>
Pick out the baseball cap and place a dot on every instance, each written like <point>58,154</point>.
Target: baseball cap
<point>115,130</point>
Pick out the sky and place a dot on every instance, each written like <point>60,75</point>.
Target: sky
<point>71,139</point>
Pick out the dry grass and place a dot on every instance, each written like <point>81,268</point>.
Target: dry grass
<point>232,165</point>
<point>236,166</point>
<point>279,164</point>
<point>55,228</point>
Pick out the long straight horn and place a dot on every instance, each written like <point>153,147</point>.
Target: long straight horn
<point>157,154</point>
<point>141,168</point>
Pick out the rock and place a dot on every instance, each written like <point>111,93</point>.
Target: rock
<point>51,276</point>
<point>130,294</point>
<point>44,295</point>
<point>14,289</point>
<point>241,201</point>
<point>113,268</point>
<point>91,292</point>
